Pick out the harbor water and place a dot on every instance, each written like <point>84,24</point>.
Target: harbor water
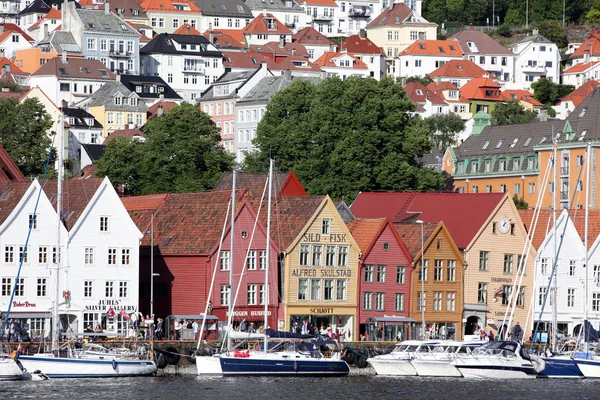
<point>351,387</point>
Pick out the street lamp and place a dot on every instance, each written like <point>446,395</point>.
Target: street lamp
<point>422,274</point>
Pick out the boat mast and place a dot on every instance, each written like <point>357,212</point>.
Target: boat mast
<point>268,254</point>
<point>587,220</point>
<point>231,257</point>
<point>554,299</point>
<point>55,317</point>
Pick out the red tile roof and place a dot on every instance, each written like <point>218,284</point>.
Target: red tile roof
<point>410,233</point>
<point>236,34</point>
<point>419,94</point>
<point>438,88</point>
<point>168,6</point>
<point>328,60</point>
<point>274,50</point>
<point>140,203</point>
<point>581,67</point>
<point>357,45</point>
<point>451,208</point>
<point>187,29</point>
<point>166,106</point>
<point>259,26</point>
<point>54,13</point>
<point>13,68</point>
<point>225,40</point>
<point>485,44</point>
<point>12,28</point>
<point>252,60</point>
<point>8,169</point>
<point>459,69</point>
<point>284,183</point>
<point>76,68</point>
<point>89,171</point>
<point>545,224</point>
<point>310,36</point>
<point>12,193</point>
<point>591,44</point>
<point>434,47</point>
<point>365,231</point>
<point>126,133</point>
<point>523,95</point>
<point>77,193</point>
<point>579,94</point>
<point>393,17</point>
<point>476,89</point>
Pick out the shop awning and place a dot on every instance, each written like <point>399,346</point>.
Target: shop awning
<point>22,315</point>
<point>394,319</point>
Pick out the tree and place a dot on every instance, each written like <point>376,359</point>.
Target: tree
<point>342,137</point>
<point>511,113</point>
<point>11,85</point>
<point>23,134</point>
<point>548,92</point>
<point>520,203</point>
<point>426,80</point>
<point>554,32</point>
<point>181,153</point>
<point>592,17</point>
<point>443,129</point>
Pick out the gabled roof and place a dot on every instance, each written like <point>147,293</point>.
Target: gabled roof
<point>580,67</point>
<point>224,41</point>
<point>329,3</point>
<point>44,6</point>
<point>79,116</point>
<point>273,50</point>
<point>419,94</point>
<point>77,193</point>
<point>476,89</point>
<point>11,193</point>
<point>442,48</point>
<point>106,94</point>
<point>590,45</point>
<point>224,8</point>
<point>100,22</point>
<point>8,169</point>
<point>266,88</point>
<point>62,41</point>
<point>284,183</point>
<point>459,69</point>
<point>259,26</point>
<point>9,29</point>
<point>579,94</point>
<point>366,232</point>
<point>126,133</point>
<point>169,6</point>
<point>54,13</point>
<point>231,78</point>
<point>535,39</point>
<point>165,105</point>
<point>356,44</point>
<point>309,36</point>
<point>450,208</point>
<point>485,44</point>
<point>243,60</point>
<point>410,234</point>
<point>165,43</point>
<point>79,68</point>
<point>8,66</point>
<point>522,95</point>
<point>132,81</point>
<point>328,60</point>
<point>274,5</point>
<point>391,17</point>
<point>187,29</point>
<point>126,8</point>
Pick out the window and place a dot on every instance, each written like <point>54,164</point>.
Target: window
<point>341,287</point>
<point>451,269</point>
<point>438,268</point>
<point>506,294</point>
<point>418,63</point>
<point>304,254</point>
<point>91,44</point>
<point>379,301</point>
<point>262,294</point>
<point>103,224</point>
<point>541,295</point>
<point>262,259</point>
<point>482,293</point>
<point>89,256</point>
<point>118,100</point>
<point>20,287</point>
<point>437,301</point>
<point>87,288</point>
<point>570,297</point>
<point>109,289</point>
<point>251,261</point>
<point>23,255</point>
<point>423,271</point>
<point>572,266</point>
<point>483,260</point>
<point>369,268</point>
<point>175,23</point>
<point>508,263</point>
<point>401,274</point>
<point>596,301</point>
<point>367,301</point>
<point>112,256</point>
<point>123,289</point>
<point>225,295</point>
<point>224,260</point>
<point>399,302</point>
<point>502,188</point>
<point>43,255</point>
<point>531,188</point>
<point>544,266</point>
<point>65,87</point>
<point>521,264</point>
<point>302,289</point>
<point>421,301</point>
<point>380,278</point>
<point>33,221</point>
<point>161,22</point>
<point>251,294</point>
<point>42,287</point>
<point>328,289</point>
<point>450,301</point>
<point>316,259</point>
<point>315,289</point>
<point>343,256</point>
<point>330,256</point>
<point>326,226</point>
<point>9,254</point>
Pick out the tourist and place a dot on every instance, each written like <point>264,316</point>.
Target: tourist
<point>195,328</point>
<point>178,330</point>
<point>517,333</point>
<point>158,332</point>
<point>251,328</point>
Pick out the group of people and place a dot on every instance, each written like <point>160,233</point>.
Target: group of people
<point>16,332</point>
<point>306,328</point>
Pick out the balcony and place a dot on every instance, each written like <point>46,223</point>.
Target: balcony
<point>290,25</point>
<point>322,17</point>
<point>119,53</point>
<point>564,196</point>
<point>359,13</point>
<point>533,68</point>
<point>193,69</point>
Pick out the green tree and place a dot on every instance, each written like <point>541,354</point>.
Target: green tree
<point>181,153</point>
<point>426,80</point>
<point>24,134</point>
<point>11,85</point>
<point>514,17</point>
<point>511,113</point>
<point>545,91</point>
<point>443,129</point>
<point>592,17</point>
<point>341,137</point>
<point>520,203</point>
<point>554,32</point>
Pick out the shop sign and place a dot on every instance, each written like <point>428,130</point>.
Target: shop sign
<point>503,280</point>
<point>25,304</point>
<point>249,313</point>
<point>323,273</point>
<point>104,304</point>
<point>321,311</point>
<point>333,238</point>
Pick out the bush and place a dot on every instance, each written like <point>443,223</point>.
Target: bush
<point>504,30</point>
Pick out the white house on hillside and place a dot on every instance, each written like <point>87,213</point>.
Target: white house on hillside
<point>537,57</point>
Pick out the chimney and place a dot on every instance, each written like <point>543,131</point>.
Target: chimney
<point>161,97</point>
<point>64,57</point>
<point>45,30</point>
<point>187,30</point>
<point>64,104</point>
<point>362,33</point>
<point>210,26</point>
<point>287,75</point>
<point>63,17</point>
<point>106,8</point>
<point>211,37</point>
<point>470,27</point>
<point>586,56</point>
<point>264,13</point>
<point>391,5</point>
<point>282,41</point>
<point>543,116</point>
<point>535,31</point>
<point>159,110</point>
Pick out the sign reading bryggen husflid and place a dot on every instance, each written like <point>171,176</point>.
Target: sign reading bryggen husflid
<point>321,275</point>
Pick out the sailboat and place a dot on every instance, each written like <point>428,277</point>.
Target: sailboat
<point>286,357</point>
<point>65,362</point>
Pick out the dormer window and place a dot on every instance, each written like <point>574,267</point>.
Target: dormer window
<point>118,100</point>
<point>270,24</point>
<point>135,12</point>
<point>419,92</point>
<point>133,101</point>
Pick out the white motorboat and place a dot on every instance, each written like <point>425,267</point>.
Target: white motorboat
<point>12,370</point>
<point>397,363</point>
<point>503,359</point>
<point>438,362</point>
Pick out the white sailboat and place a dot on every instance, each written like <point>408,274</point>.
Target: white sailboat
<point>64,362</point>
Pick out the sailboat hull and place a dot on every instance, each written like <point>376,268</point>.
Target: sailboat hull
<point>10,371</point>
<point>55,367</point>
<point>560,368</point>
<point>268,365</point>
<point>589,368</point>
<point>209,365</point>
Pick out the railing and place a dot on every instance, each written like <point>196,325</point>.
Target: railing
<point>193,68</point>
<point>119,52</point>
<point>353,13</point>
<point>322,17</point>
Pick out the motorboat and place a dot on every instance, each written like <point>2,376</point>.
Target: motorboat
<point>438,362</point>
<point>397,363</point>
<point>12,370</point>
<point>503,359</point>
